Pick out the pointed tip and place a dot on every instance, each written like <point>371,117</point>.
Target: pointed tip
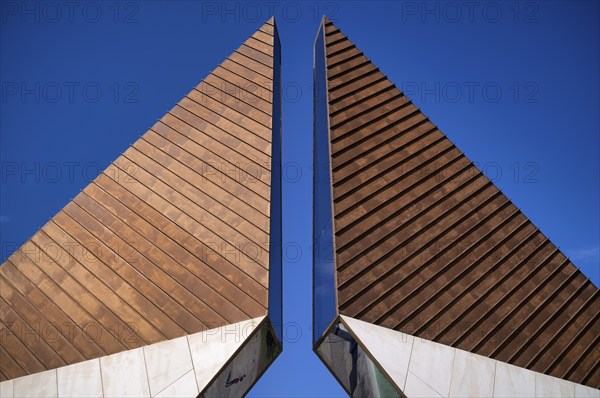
<point>269,26</point>
<point>325,19</point>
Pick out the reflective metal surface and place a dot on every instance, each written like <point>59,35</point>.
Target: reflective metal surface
<point>352,367</point>
<point>324,299</point>
<point>275,239</point>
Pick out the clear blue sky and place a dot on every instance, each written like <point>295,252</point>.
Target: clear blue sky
<point>514,85</point>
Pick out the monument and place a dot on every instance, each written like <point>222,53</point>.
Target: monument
<point>162,278</point>
<point>428,281</point>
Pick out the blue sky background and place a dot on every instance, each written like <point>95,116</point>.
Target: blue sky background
<point>514,84</point>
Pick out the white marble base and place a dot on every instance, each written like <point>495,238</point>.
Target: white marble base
<point>82,379</point>
<point>41,384</point>
<point>7,389</point>
<point>184,387</point>
<point>166,362</point>
<point>125,375</point>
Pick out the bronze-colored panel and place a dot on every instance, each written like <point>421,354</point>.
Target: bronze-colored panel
<point>248,74</point>
<point>201,146</point>
<point>231,127</point>
<point>203,94</point>
<point>79,285</point>
<point>25,277</point>
<point>252,64</point>
<point>236,90</point>
<point>259,45</point>
<point>210,261</point>
<point>17,352</point>
<point>173,238</point>
<point>426,244</point>
<point>251,51</point>
<point>231,141</point>
<point>200,141</point>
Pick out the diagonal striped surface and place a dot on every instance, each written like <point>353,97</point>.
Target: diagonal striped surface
<point>173,238</point>
<point>426,244</point>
